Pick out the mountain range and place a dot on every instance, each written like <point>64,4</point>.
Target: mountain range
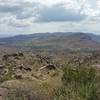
<point>54,41</point>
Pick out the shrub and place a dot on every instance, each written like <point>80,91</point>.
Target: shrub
<point>79,83</point>
<point>6,77</point>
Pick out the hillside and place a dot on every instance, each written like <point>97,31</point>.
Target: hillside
<point>39,36</point>
<point>52,41</point>
<point>74,41</point>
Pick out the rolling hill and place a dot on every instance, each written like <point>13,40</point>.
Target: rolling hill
<point>53,41</point>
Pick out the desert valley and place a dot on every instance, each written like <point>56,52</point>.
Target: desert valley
<point>53,66</point>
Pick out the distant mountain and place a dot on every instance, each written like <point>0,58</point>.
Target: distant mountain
<point>54,41</point>
<point>39,36</point>
<point>30,37</point>
<point>73,41</point>
<point>95,37</point>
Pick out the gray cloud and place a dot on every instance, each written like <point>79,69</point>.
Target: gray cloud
<point>41,13</point>
<point>28,10</point>
<point>18,25</point>
<point>59,13</point>
<point>21,10</point>
<point>10,8</point>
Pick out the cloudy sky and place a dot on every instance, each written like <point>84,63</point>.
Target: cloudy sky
<point>33,16</point>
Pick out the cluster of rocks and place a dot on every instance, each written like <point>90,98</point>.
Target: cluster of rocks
<point>25,63</point>
<point>6,56</point>
<point>44,59</point>
<point>23,67</point>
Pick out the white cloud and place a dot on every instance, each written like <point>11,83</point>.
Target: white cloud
<point>25,16</point>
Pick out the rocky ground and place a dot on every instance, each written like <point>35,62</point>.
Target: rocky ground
<point>28,70</point>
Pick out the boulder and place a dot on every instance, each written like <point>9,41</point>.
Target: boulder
<point>49,67</point>
<point>27,69</point>
<point>18,76</point>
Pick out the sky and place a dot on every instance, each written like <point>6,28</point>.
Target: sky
<point>38,16</point>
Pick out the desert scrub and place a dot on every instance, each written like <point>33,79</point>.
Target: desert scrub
<point>6,77</point>
<point>46,87</point>
<point>79,83</point>
<point>24,94</point>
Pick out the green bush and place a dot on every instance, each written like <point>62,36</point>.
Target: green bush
<point>79,83</point>
<point>6,77</point>
<point>79,75</point>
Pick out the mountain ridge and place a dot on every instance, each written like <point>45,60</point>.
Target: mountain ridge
<point>53,41</point>
<point>44,35</point>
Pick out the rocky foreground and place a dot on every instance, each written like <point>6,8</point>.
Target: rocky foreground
<point>38,72</point>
